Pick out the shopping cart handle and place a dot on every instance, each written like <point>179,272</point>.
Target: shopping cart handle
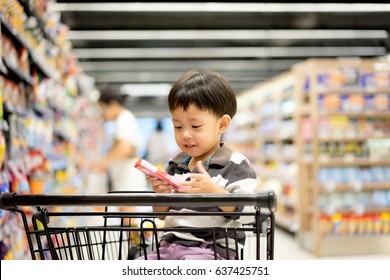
<point>6,201</point>
<point>267,198</point>
<point>11,201</point>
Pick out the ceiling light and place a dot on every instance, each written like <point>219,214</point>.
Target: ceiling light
<point>211,7</point>
<point>181,65</point>
<point>171,77</point>
<point>146,90</point>
<point>224,52</point>
<point>103,35</point>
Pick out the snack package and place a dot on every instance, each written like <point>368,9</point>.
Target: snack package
<point>151,170</point>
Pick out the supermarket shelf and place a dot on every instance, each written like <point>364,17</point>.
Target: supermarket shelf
<point>20,41</point>
<point>30,11</point>
<point>32,78</point>
<point>352,187</point>
<point>55,107</point>
<point>3,68</point>
<point>277,139</point>
<point>315,132</point>
<point>44,68</point>
<point>42,110</point>
<point>354,138</point>
<point>10,31</point>
<point>320,116</point>
<point>11,108</point>
<point>17,74</point>
<point>367,210</point>
<point>347,244</point>
<point>4,125</point>
<point>378,114</point>
<point>355,90</point>
<point>350,161</point>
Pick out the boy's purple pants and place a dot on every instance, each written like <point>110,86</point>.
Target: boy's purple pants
<point>176,251</point>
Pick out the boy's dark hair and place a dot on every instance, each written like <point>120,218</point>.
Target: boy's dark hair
<point>109,95</point>
<point>206,90</point>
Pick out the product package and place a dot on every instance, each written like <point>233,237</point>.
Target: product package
<point>151,170</point>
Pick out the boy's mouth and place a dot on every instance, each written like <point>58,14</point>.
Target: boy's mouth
<point>189,145</point>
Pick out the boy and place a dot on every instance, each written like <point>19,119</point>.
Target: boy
<point>202,105</point>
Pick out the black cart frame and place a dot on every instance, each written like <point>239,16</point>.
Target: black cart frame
<point>117,241</point>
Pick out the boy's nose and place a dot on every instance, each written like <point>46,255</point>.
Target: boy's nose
<point>186,135</point>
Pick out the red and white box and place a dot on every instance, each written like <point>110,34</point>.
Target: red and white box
<point>151,170</point>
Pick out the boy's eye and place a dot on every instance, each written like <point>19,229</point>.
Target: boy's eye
<point>177,127</point>
<point>196,126</point>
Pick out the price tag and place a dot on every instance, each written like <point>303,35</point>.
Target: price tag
<point>378,134</point>
<point>323,135</point>
<point>330,186</point>
<point>374,158</point>
<point>330,210</point>
<point>350,134</point>
<point>324,158</point>
<point>359,209</point>
<point>349,158</point>
<point>357,186</point>
<point>338,134</point>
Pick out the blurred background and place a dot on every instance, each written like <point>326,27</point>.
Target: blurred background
<point>312,82</point>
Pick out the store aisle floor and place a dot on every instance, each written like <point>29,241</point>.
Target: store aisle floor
<point>287,248</point>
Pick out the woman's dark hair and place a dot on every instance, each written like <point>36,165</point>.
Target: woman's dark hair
<point>206,90</point>
<point>109,95</point>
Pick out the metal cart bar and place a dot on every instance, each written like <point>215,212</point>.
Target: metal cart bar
<point>113,241</point>
<point>11,201</point>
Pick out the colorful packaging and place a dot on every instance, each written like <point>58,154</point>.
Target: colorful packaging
<point>2,149</point>
<point>151,170</point>
<point>1,98</point>
<point>381,102</point>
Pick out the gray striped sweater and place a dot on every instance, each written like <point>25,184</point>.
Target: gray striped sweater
<point>228,169</point>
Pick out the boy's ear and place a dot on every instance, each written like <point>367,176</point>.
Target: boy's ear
<point>225,123</point>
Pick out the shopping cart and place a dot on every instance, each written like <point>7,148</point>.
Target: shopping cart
<point>107,235</point>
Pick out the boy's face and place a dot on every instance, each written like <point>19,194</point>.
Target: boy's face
<point>198,133</point>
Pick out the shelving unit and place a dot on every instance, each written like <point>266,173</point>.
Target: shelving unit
<point>49,125</point>
<point>337,195</point>
<point>345,184</point>
<point>264,131</point>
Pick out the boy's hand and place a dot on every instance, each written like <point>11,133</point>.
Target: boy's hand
<point>159,186</point>
<point>201,182</point>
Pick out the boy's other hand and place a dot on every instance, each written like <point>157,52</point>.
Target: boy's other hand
<point>201,182</point>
